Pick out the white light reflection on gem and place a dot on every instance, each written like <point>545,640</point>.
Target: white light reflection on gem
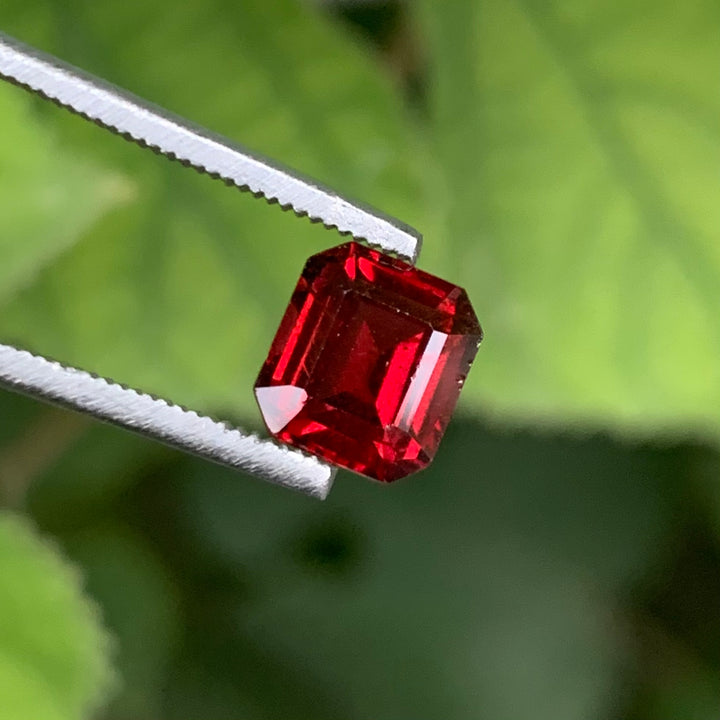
<point>419,383</point>
<point>280,404</point>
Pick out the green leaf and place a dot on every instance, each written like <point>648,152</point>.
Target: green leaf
<point>54,654</point>
<point>568,181</point>
<point>49,196</point>
<point>181,291</point>
<point>579,149</point>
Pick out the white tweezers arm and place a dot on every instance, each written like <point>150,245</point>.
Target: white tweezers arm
<point>148,125</point>
<point>184,429</point>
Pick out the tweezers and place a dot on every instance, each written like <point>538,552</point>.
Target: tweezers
<point>150,126</point>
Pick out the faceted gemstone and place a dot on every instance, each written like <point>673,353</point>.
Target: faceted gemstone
<point>368,362</point>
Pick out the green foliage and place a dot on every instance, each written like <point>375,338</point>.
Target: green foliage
<point>694,695</point>
<point>578,148</point>
<point>562,163</point>
<point>566,176</point>
<point>87,476</point>
<point>143,615</point>
<point>466,593</point>
<point>180,291</point>
<point>53,653</point>
<point>50,196</point>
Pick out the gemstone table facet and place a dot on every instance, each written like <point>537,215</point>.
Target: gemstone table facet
<point>368,362</point>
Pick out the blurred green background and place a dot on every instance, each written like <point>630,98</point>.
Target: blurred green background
<point>561,558</point>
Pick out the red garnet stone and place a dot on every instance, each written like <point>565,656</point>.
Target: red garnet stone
<point>368,362</point>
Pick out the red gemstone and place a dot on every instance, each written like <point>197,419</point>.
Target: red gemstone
<point>368,362</point>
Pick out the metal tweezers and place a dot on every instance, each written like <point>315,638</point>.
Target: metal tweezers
<point>152,127</point>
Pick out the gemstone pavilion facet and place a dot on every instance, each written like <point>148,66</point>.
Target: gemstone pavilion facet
<point>368,362</point>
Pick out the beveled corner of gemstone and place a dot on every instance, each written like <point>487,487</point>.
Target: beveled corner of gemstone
<point>368,362</point>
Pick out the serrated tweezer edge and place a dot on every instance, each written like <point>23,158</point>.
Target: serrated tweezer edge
<point>40,378</point>
<point>151,126</point>
<point>148,125</point>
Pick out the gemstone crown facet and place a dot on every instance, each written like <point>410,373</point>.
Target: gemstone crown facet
<point>367,365</point>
